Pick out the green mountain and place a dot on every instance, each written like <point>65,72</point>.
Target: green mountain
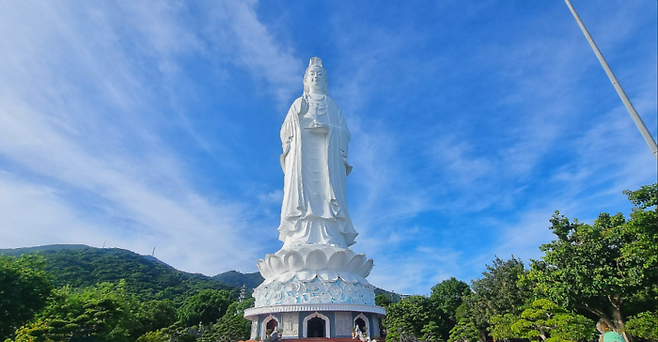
<point>237,279</point>
<point>146,276</point>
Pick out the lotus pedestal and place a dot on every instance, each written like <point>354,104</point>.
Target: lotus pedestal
<point>314,291</point>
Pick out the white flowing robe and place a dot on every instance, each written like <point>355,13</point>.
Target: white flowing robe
<point>314,209</point>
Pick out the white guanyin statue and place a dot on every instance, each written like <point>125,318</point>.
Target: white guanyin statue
<point>315,139</point>
<point>315,264</point>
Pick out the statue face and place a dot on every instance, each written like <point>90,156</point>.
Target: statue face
<point>316,79</point>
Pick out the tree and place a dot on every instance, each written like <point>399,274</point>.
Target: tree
<point>464,331</point>
<point>154,336</point>
<point>498,292</point>
<point>446,297</point>
<point>232,326</point>
<point>644,325</point>
<point>206,307</point>
<point>155,314</point>
<point>24,290</point>
<point>607,270</point>
<point>543,321</point>
<point>100,313</point>
<point>382,300</point>
<point>405,319</point>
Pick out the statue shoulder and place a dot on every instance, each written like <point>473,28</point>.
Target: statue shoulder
<point>294,107</point>
<point>297,103</point>
<point>332,102</point>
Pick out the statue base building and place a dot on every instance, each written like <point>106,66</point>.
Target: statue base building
<point>315,291</point>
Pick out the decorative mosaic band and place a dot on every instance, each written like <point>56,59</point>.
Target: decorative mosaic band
<point>251,312</point>
<point>315,291</point>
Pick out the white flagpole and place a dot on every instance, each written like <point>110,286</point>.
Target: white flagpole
<point>631,110</point>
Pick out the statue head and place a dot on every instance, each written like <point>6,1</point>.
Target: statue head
<point>315,77</point>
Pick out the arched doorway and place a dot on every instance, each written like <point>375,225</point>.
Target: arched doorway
<point>269,323</point>
<point>362,322</point>
<point>272,325</point>
<point>316,327</point>
<point>359,323</point>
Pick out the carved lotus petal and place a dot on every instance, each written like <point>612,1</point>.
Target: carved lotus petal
<point>316,260</point>
<point>337,261</point>
<point>265,270</point>
<point>328,275</point>
<point>355,264</point>
<point>269,280</point>
<point>304,251</point>
<point>364,271</point>
<point>286,276</point>
<point>361,279</point>
<point>347,277</point>
<point>276,264</point>
<point>305,275</point>
<point>328,251</point>
<point>294,261</point>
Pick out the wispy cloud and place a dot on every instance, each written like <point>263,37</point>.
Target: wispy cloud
<point>258,51</point>
<point>70,123</point>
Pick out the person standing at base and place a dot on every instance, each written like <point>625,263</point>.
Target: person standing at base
<point>612,336</point>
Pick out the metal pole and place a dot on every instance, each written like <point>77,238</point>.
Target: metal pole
<point>636,118</point>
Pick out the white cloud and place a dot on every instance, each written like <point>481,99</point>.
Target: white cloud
<point>36,215</point>
<point>258,50</point>
<point>73,126</point>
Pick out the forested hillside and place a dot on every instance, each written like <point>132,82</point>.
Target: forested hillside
<point>82,266</point>
<point>237,279</point>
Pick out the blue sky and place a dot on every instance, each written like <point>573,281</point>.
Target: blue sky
<point>143,124</point>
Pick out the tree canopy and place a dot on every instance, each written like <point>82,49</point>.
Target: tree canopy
<point>608,270</point>
<point>24,290</point>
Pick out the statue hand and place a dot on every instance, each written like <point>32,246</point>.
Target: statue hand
<point>318,127</point>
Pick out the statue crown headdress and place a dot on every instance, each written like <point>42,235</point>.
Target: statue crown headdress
<point>315,62</point>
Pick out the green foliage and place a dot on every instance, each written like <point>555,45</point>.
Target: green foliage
<point>498,292</point>
<point>432,332</point>
<point>407,317</point>
<point>101,313</point>
<point>607,270</point>
<point>422,318</point>
<point>237,279</point>
<point>382,300</point>
<point>154,336</point>
<point>24,290</point>
<point>446,297</point>
<point>180,333</point>
<point>645,197</point>
<point>394,297</point>
<point>230,327</point>
<point>644,325</point>
<point>464,331</point>
<point>543,321</point>
<point>81,266</point>
<point>206,307</point>
<point>155,314</point>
